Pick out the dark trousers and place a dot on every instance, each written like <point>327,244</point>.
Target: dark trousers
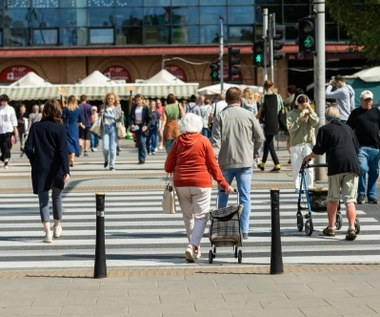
<point>6,145</point>
<point>269,147</point>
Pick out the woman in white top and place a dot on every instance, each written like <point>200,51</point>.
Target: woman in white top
<point>8,127</point>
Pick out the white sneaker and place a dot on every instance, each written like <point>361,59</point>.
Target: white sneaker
<point>48,237</point>
<point>57,231</point>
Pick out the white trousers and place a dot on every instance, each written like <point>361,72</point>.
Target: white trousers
<point>297,153</point>
<point>195,206</point>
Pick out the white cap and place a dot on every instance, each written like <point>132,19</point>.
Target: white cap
<point>366,94</point>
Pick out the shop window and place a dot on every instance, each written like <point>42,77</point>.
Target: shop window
<point>101,36</point>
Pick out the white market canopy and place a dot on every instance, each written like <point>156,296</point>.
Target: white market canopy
<point>97,91</point>
<point>30,79</point>
<point>164,77</point>
<point>215,89</point>
<point>368,75</point>
<point>96,78</point>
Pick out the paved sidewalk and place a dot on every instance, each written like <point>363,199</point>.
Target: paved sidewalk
<point>229,291</point>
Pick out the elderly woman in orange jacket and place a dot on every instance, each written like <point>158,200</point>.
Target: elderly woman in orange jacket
<point>192,161</point>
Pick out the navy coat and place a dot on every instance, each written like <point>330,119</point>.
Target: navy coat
<point>46,148</point>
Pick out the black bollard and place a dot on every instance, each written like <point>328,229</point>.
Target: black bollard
<point>100,270</point>
<point>276,265</point>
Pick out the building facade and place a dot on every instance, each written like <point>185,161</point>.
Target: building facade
<point>65,40</point>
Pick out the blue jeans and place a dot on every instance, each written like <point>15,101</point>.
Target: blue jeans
<point>43,198</point>
<point>110,144</point>
<point>94,140</point>
<point>141,144</point>
<point>151,142</point>
<point>243,178</point>
<point>369,164</point>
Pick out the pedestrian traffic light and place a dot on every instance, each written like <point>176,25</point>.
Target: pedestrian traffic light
<point>306,34</point>
<point>278,42</point>
<point>258,53</point>
<point>233,60</point>
<point>214,71</point>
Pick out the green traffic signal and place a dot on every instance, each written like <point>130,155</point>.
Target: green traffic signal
<point>259,58</point>
<point>308,42</point>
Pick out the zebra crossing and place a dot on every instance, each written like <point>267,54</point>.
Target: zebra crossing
<point>138,234</point>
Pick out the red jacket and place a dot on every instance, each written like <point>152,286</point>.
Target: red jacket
<point>192,161</point>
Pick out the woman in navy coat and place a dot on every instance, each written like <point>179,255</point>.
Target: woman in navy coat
<point>46,148</point>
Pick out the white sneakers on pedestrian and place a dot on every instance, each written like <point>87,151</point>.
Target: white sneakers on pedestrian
<point>57,230</point>
<point>48,237</point>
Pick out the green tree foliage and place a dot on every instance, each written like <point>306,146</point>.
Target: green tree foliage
<point>361,20</point>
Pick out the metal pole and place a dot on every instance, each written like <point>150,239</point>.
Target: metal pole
<point>272,30</point>
<point>100,270</point>
<point>265,37</point>
<point>221,48</point>
<point>276,263</point>
<point>320,76</point>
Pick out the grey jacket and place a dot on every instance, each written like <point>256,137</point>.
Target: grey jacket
<point>236,137</point>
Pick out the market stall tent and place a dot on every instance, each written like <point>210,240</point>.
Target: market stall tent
<point>216,89</point>
<point>96,86</point>
<point>363,80</point>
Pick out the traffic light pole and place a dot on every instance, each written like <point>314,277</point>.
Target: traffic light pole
<point>265,37</point>
<point>320,71</point>
<point>272,30</point>
<point>221,48</point>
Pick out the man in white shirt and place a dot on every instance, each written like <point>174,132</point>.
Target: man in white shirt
<point>8,127</point>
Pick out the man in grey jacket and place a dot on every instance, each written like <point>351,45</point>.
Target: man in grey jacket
<point>344,96</point>
<point>236,137</point>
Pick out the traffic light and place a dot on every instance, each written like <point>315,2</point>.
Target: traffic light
<point>278,42</point>
<point>258,53</point>
<point>214,71</point>
<point>233,59</point>
<point>306,35</point>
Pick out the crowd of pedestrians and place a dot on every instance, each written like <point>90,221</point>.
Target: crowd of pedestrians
<point>220,138</point>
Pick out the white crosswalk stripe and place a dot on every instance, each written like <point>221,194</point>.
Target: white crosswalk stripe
<point>139,234</point>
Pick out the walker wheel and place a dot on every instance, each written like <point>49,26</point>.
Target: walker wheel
<point>309,227</point>
<point>210,257</point>
<point>338,221</point>
<point>240,256</point>
<point>299,221</point>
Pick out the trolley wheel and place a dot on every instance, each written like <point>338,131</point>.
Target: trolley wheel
<point>338,221</point>
<point>240,256</point>
<point>309,227</point>
<point>210,257</point>
<point>299,221</point>
<point>357,225</point>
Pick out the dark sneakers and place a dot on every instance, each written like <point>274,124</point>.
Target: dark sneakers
<point>372,200</point>
<point>329,232</point>
<point>351,235</point>
<point>361,199</point>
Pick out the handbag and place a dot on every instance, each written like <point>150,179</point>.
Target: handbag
<point>121,130</point>
<point>97,127</point>
<point>168,199</point>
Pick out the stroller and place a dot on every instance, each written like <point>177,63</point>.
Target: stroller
<point>225,229</point>
<point>315,202</point>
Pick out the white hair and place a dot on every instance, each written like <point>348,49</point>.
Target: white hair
<point>191,123</point>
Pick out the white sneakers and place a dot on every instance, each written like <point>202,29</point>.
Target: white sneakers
<point>48,237</point>
<point>57,232</point>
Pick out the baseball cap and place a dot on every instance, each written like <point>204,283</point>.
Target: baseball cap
<point>366,94</point>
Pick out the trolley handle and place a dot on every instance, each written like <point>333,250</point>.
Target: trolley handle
<point>306,164</point>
